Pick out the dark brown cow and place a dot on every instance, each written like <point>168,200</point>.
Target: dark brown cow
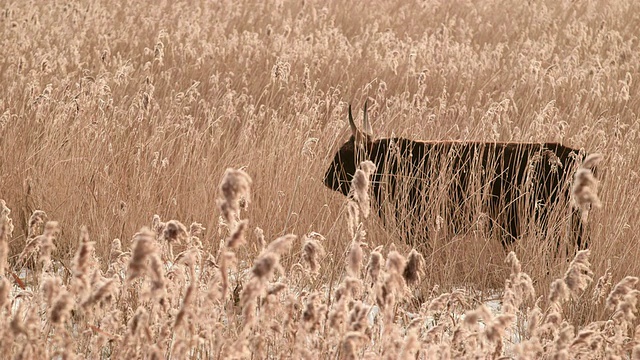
<point>511,187</point>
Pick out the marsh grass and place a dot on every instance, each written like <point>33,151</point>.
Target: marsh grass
<point>112,112</point>
<point>152,304</point>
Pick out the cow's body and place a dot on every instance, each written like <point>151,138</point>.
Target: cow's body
<point>507,184</point>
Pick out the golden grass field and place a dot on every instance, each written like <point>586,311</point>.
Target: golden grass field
<point>119,120</point>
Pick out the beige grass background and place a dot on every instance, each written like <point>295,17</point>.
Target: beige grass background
<point>112,111</point>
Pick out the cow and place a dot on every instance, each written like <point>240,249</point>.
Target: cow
<point>507,187</point>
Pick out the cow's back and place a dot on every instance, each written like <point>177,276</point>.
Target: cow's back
<point>457,181</point>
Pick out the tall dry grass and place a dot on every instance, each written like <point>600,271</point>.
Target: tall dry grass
<point>112,112</point>
<point>196,304</point>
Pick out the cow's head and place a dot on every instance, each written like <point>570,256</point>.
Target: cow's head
<point>351,153</point>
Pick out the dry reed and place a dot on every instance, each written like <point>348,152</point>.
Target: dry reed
<point>105,121</point>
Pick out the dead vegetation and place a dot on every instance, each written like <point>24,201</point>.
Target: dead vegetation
<point>113,112</point>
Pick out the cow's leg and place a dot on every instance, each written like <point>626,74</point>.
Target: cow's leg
<point>510,225</point>
<point>577,231</point>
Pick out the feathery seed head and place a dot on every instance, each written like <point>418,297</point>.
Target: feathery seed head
<point>237,238</point>
<point>559,291</point>
<point>355,255</point>
<point>360,186</point>
<point>259,234</point>
<point>116,250</point>
<point>584,194</point>
<point>61,308</point>
<point>414,268</point>
<point>36,220</point>
<point>196,229</point>
<point>157,225</point>
<point>174,231</point>
<point>235,191</point>
<point>312,251</point>
<point>621,291</point>
<point>579,274</point>
<point>374,265</point>
<point>143,246</point>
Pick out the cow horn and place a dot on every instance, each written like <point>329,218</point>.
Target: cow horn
<point>365,121</point>
<point>352,124</point>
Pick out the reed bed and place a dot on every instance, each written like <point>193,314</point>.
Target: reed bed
<point>118,122</point>
<point>150,303</point>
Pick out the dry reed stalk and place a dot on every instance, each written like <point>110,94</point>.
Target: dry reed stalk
<point>18,326</point>
<point>6,230</point>
<point>82,263</point>
<point>389,292</point>
<point>145,259</point>
<point>226,262</point>
<point>169,135</point>
<point>46,244</point>
<point>518,287</point>
<point>196,229</point>
<point>5,290</point>
<point>635,353</point>
<point>410,347</point>
<point>137,325</point>
<point>263,269</point>
<point>185,311</point>
<point>583,344</point>
<point>188,258</point>
<point>559,292</point>
<point>531,347</point>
